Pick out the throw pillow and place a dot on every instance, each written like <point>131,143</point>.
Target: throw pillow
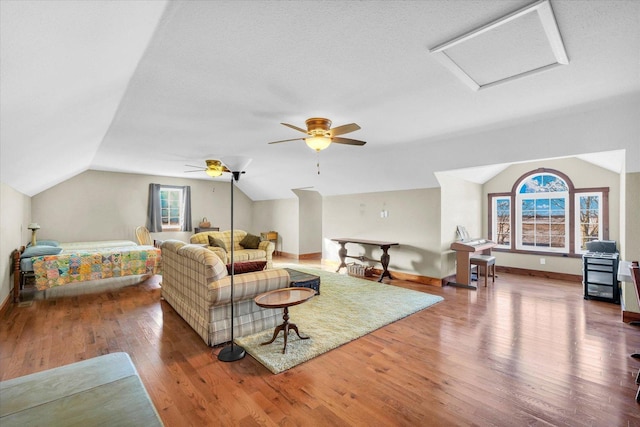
<point>247,266</point>
<point>250,241</point>
<point>40,250</point>
<point>217,243</point>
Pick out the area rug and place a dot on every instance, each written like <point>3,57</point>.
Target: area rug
<point>347,308</point>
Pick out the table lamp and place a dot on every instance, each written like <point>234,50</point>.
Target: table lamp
<point>33,227</point>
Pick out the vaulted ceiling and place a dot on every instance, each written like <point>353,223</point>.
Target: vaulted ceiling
<point>151,86</point>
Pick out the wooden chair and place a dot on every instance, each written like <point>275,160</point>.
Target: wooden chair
<point>143,236</point>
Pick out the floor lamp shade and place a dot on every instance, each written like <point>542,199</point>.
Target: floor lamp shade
<point>236,165</point>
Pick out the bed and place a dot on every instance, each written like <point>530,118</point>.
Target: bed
<point>60,269</point>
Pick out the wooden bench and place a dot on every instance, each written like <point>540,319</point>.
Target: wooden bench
<point>487,262</point>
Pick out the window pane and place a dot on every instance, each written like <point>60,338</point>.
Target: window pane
<point>542,208</point>
<point>543,213</point>
<point>557,241</point>
<point>588,220</point>
<point>171,203</point>
<point>502,224</point>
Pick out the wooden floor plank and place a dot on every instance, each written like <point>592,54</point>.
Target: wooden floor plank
<point>523,351</point>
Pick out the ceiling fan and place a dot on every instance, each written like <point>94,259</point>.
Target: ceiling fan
<point>320,134</point>
<point>214,168</point>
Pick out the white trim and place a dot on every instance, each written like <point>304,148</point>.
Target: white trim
<point>550,28</point>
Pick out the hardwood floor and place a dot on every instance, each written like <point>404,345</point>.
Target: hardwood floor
<point>524,351</point>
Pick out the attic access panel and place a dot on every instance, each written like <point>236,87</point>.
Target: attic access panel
<point>524,42</point>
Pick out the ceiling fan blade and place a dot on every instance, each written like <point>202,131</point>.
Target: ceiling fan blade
<point>192,166</point>
<point>294,127</point>
<point>341,130</point>
<point>198,170</point>
<point>348,141</point>
<point>287,140</point>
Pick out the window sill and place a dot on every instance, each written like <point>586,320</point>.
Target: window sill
<point>537,253</point>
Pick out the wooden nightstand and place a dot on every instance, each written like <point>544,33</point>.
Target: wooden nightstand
<point>271,236</point>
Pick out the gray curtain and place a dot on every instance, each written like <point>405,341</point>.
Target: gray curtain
<point>186,204</point>
<point>154,210</point>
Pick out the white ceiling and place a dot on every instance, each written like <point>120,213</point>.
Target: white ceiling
<point>149,86</point>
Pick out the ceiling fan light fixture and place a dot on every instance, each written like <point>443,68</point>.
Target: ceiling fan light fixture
<point>213,172</point>
<point>318,143</point>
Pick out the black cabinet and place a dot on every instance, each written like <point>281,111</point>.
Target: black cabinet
<point>599,276</point>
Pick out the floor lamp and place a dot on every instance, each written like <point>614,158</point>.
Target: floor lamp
<point>237,165</point>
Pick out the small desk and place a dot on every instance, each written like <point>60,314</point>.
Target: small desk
<point>271,236</point>
<point>384,258</point>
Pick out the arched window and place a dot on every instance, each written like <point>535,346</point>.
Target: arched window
<point>544,213</point>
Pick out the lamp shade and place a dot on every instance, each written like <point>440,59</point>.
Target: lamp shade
<point>34,226</point>
<point>236,163</point>
<point>318,142</point>
<point>213,172</point>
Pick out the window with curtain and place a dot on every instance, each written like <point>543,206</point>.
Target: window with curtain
<point>169,208</point>
<point>544,213</point>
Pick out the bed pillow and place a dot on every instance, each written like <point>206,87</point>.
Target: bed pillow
<point>45,243</point>
<point>247,267</point>
<point>40,250</point>
<point>250,241</point>
<point>217,243</point>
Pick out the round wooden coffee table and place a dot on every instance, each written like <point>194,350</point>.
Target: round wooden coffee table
<point>284,298</point>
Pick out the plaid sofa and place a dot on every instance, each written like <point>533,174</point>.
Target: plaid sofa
<point>196,284</point>
<point>263,253</point>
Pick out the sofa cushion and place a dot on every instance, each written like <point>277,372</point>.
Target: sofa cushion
<point>216,243</point>
<point>247,267</point>
<point>250,241</point>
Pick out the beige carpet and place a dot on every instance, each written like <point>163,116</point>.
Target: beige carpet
<point>347,308</point>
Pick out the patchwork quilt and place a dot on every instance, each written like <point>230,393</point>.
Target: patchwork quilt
<point>80,266</point>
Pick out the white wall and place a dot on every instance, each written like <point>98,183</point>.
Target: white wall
<point>281,216</point>
<point>98,205</point>
<point>310,221</point>
<point>15,216</point>
<point>461,204</point>
<point>413,221</point>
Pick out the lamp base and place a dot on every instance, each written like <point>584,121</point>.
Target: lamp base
<point>231,353</point>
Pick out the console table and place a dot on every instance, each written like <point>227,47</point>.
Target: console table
<point>384,258</point>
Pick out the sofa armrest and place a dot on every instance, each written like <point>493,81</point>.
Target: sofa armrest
<point>247,286</point>
<point>222,254</point>
<point>268,247</point>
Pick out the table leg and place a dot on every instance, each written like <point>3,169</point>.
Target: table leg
<point>384,260</point>
<point>342,253</point>
<point>285,327</point>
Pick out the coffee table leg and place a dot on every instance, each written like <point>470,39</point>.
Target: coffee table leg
<point>285,326</point>
<point>275,334</point>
